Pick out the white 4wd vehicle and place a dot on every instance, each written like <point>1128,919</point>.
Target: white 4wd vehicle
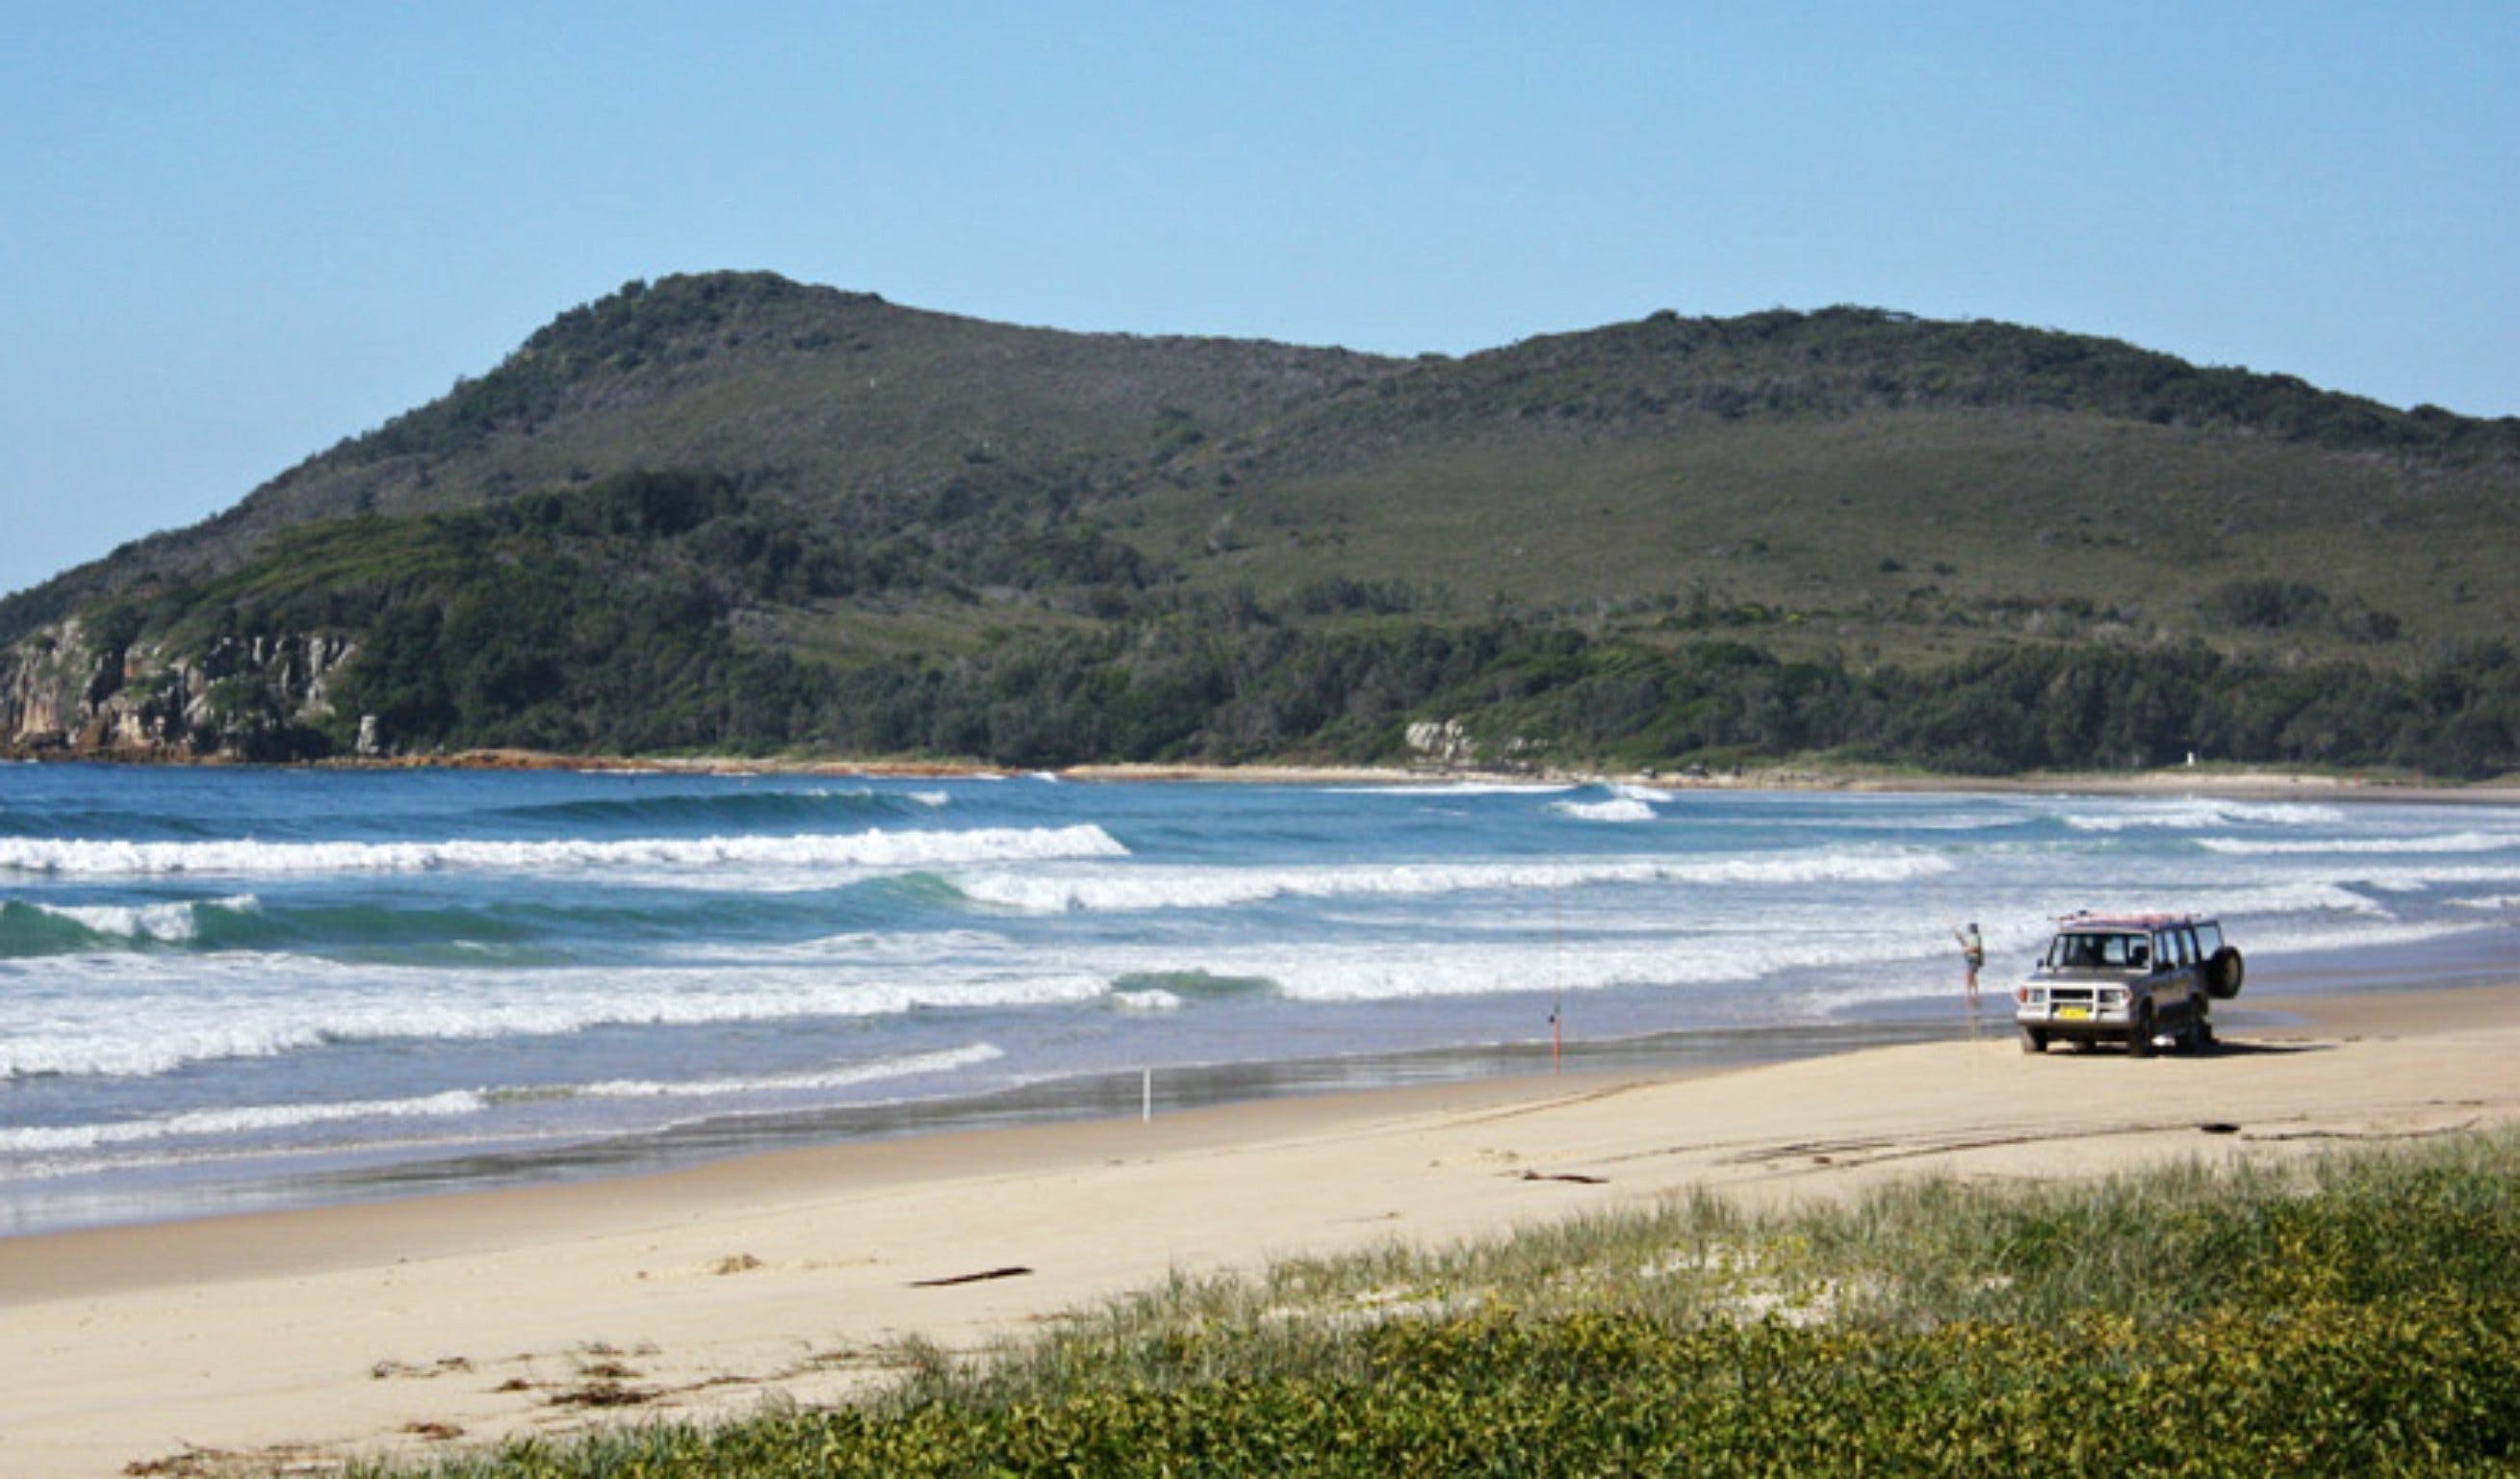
<point>2128,978</point>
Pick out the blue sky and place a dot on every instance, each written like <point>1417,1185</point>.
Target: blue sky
<point>232,233</point>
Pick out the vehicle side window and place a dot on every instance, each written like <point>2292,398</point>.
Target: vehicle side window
<point>2209,940</point>
<point>2187,946</point>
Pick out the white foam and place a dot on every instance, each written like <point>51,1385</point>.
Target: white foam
<point>933,798</point>
<point>1898,821</point>
<point>2449,842</point>
<point>945,1061</point>
<point>457,1104</point>
<point>1740,948</point>
<point>2304,938</point>
<point>871,848</point>
<point>2494,901</point>
<point>2265,901</point>
<point>1457,788</point>
<point>863,945</point>
<point>1400,972</point>
<point>170,923</point>
<point>2193,816</point>
<point>1151,999</point>
<point>1370,971</point>
<point>1223,888</point>
<point>242,1119</point>
<point>1633,792</point>
<point>136,1023</point>
<point>1618,808</point>
<point>2409,878</point>
<point>1743,953</point>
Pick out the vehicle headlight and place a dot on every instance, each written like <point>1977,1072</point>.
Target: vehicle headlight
<point>2114,995</point>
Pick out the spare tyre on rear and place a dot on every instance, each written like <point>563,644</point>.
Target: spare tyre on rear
<point>2224,973</point>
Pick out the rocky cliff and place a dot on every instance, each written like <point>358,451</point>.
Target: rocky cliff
<point>67,690</point>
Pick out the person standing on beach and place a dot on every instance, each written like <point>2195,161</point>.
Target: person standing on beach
<point>1973,953</point>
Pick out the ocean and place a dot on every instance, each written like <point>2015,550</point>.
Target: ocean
<point>225,989</point>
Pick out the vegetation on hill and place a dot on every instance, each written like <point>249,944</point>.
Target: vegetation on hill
<point>638,615</point>
<point>2358,1316</point>
<point>1842,360</point>
<point>1962,545</point>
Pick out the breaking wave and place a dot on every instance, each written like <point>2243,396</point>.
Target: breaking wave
<point>52,929</point>
<point>2450,842</point>
<point>855,1073</point>
<point>54,1140</point>
<point>2308,937</point>
<point>869,848</point>
<point>743,809</point>
<point>245,1118</point>
<point>255,1006</point>
<point>1617,808</point>
<point>2195,815</point>
<point>1398,972</point>
<point>1225,888</point>
<point>1460,788</point>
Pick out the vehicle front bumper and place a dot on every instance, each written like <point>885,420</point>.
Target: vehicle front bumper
<point>2074,1014</point>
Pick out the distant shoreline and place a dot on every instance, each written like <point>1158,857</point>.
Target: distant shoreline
<point>2249,783</point>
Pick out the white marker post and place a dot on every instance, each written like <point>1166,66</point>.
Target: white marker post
<point>1147,1099</point>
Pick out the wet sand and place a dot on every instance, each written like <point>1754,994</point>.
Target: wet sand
<point>399,1326</point>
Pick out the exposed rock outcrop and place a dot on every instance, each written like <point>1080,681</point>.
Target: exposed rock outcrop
<point>1442,743</point>
<point>1449,745</point>
<point>69,689</point>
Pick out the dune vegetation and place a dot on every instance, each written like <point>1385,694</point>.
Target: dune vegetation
<point>2357,1314</point>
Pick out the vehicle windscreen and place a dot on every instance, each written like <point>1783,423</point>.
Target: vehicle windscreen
<point>2094,950</point>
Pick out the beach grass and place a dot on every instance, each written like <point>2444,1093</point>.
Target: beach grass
<point>2358,1313</point>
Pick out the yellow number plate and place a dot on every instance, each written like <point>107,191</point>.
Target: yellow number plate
<point>2073,1013</point>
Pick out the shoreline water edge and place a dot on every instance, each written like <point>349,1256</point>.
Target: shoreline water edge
<point>2208,780</point>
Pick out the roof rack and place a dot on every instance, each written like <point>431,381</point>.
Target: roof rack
<point>2089,919</point>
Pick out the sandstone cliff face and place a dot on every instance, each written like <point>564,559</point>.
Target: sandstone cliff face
<point>67,690</point>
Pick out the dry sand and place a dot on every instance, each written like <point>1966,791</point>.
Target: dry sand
<point>317,1333</point>
<point>2219,780</point>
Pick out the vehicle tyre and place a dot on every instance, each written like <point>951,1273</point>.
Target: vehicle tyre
<point>2224,972</point>
<point>2193,1034</point>
<point>2033,1041</point>
<point>2140,1033</point>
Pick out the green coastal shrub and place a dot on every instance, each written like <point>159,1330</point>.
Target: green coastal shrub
<point>2359,1318</point>
<point>642,613</point>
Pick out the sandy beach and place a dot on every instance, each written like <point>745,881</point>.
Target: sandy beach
<point>401,1326</point>
<point>2216,781</point>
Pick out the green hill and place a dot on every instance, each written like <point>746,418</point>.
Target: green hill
<point>732,511</point>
